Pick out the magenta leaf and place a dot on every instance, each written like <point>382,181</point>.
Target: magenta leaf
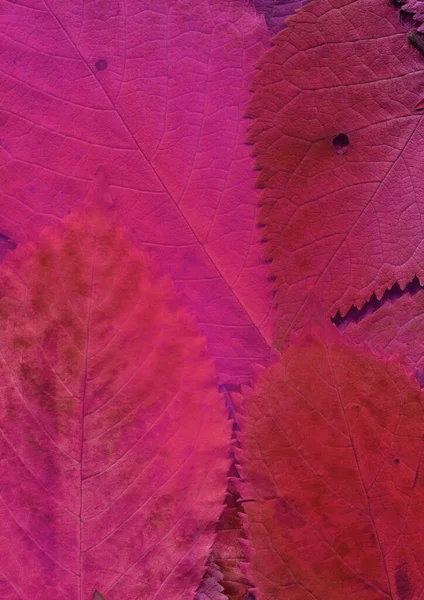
<point>115,443</point>
<point>156,92</point>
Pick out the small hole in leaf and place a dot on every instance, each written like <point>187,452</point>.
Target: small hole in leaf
<point>341,143</point>
<point>397,461</point>
<point>396,3</point>
<point>101,64</point>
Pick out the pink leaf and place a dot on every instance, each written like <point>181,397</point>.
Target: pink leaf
<point>331,469</point>
<point>396,329</point>
<point>340,147</point>
<point>114,447</point>
<point>156,92</point>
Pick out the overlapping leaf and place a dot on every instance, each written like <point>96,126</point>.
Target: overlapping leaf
<point>227,550</point>
<point>340,146</point>
<point>156,92</point>
<point>114,442</point>
<point>277,11</point>
<point>333,440</point>
<point>396,329</point>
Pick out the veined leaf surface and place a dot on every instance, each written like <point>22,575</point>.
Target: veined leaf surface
<point>332,444</point>
<point>114,441</point>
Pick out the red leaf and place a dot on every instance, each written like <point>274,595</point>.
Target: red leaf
<point>332,441</point>
<point>340,146</point>
<point>115,444</point>
<point>156,92</point>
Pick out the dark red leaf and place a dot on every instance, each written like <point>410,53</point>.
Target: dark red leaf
<point>115,444</point>
<point>331,468</point>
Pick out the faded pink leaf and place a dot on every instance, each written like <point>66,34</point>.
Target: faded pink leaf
<point>115,444</point>
<point>156,92</point>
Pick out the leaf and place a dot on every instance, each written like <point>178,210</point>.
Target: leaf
<point>340,145</point>
<point>227,549</point>
<point>156,92</point>
<point>331,469</point>
<point>115,444</point>
<point>211,588</point>
<point>416,10</point>
<point>395,329</point>
<point>276,12</point>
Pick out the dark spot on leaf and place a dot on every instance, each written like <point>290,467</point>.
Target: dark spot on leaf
<point>415,479</point>
<point>396,3</point>
<point>397,461</point>
<point>419,374</point>
<point>406,19</point>
<point>402,584</point>
<point>341,143</point>
<point>6,244</point>
<point>101,64</point>
<point>284,513</point>
<point>417,40</point>
<point>20,342</point>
